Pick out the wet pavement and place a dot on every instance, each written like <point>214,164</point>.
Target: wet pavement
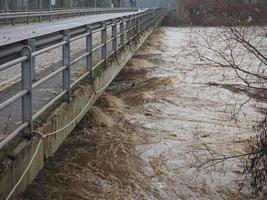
<point>10,34</point>
<point>148,135</point>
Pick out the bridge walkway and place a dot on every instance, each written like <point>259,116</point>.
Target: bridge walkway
<point>10,34</point>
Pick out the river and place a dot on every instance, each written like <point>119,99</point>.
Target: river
<point>148,135</point>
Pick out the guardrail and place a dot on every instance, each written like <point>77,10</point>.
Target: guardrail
<point>128,27</point>
<point>38,16</point>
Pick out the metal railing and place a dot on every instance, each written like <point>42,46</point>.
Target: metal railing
<point>123,29</point>
<point>38,16</point>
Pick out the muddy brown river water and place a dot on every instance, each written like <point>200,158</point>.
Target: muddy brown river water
<point>148,134</point>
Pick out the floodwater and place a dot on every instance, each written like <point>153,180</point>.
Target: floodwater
<point>149,134</point>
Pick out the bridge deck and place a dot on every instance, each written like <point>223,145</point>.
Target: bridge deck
<point>10,83</point>
<point>10,34</point>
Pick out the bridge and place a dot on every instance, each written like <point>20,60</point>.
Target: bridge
<point>58,69</point>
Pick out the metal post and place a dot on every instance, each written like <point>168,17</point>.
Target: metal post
<point>122,33</point>
<point>138,24</point>
<point>39,5</point>
<point>128,29</point>
<point>104,42</point>
<point>144,23</point>
<point>31,44</point>
<point>89,48</point>
<point>6,6</point>
<point>114,36</point>
<point>26,74</point>
<point>146,20</point>
<point>66,62</point>
<point>50,8</point>
<point>131,26</point>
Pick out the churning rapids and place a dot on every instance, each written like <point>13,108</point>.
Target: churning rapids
<point>147,136</point>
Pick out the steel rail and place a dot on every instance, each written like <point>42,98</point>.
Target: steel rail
<point>37,53</point>
<point>97,30</point>
<point>79,79</point>
<point>98,47</point>
<point>79,58</point>
<point>73,11</point>
<point>13,99</point>
<point>111,39</point>
<point>13,63</point>
<point>58,13</point>
<point>12,135</point>
<point>48,77</point>
<point>99,63</point>
<point>79,37</point>
<point>42,110</point>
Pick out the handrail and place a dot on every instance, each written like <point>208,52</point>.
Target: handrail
<point>37,53</point>
<point>18,16</point>
<point>12,63</point>
<point>63,10</point>
<point>135,24</point>
<point>48,77</point>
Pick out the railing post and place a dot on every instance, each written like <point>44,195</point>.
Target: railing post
<point>114,36</point>
<point>128,29</point>
<point>142,22</point>
<point>66,62</point>
<point>26,75</point>
<point>50,17</point>
<point>145,21</point>
<point>89,48</point>
<point>31,44</point>
<point>104,42</point>
<point>134,26</point>
<point>122,33</point>
<point>131,26</point>
<point>138,24</point>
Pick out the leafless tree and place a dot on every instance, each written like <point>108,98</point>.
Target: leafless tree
<point>242,51</point>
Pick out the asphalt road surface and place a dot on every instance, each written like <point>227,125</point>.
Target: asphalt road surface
<point>11,34</point>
